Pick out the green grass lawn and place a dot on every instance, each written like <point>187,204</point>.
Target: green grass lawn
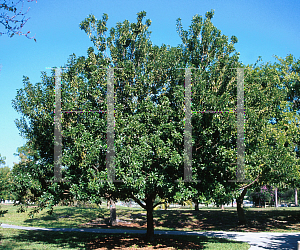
<point>75,217</point>
<point>260,219</point>
<point>21,239</point>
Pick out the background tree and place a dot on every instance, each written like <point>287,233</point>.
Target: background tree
<point>290,69</point>
<point>28,177</point>
<point>2,160</point>
<point>270,151</point>
<point>13,18</point>
<point>4,180</point>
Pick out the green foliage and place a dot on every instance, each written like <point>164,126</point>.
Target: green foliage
<point>213,88</point>
<point>2,160</point>
<point>270,148</point>
<point>149,119</point>
<point>4,180</point>
<point>146,153</point>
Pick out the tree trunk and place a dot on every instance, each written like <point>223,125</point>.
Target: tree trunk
<point>150,222</point>
<point>296,197</point>
<point>240,210</point>
<point>196,205</point>
<point>113,214</point>
<point>276,198</point>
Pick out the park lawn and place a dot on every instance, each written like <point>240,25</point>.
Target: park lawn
<point>22,239</point>
<point>206,219</point>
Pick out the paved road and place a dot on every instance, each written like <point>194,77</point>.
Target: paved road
<point>272,241</point>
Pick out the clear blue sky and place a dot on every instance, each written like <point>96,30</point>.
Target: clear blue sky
<point>263,28</point>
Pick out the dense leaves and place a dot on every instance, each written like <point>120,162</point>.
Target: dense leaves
<point>149,84</point>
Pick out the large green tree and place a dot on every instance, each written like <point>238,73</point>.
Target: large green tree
<point>205,49</point>
<point>148,123</point>
<point>149,118</point>
<point>148,114</point>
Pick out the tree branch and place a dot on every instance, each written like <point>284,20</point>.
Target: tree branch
<point>250,183</point>
<point>138,201</point>
<point>159,203</point>
<point>95,168</point>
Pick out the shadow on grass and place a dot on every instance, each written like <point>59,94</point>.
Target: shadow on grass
<point>161,242</point>
<point>80,240</point>
<point>226,220</point>
<point>259,219</point>
<point>67,217</point>
<point>58,239</point>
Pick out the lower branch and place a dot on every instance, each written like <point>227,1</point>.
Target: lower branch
<point>138,201</point>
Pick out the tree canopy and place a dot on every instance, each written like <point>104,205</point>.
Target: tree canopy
<point>149,85</point>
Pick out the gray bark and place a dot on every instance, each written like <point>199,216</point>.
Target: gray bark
<point>196,205</point>
<point>113,213</point>
<point>150,222</point>
<point>276,197</point>
<point>240,210</point>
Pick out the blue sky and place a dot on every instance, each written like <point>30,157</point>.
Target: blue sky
<point>263,28</point>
